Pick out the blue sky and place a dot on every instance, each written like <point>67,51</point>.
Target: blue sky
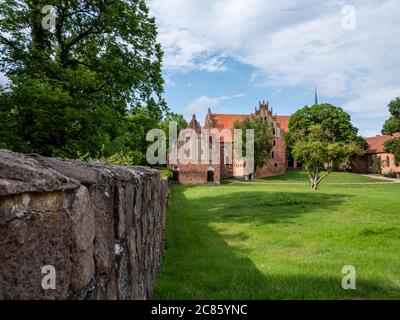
<point>229,54</point>
<point>233,91</point>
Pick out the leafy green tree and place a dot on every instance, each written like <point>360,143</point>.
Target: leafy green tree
<point>263,136</point>
<point>391,126</point>
<point>333,120</point>
<point>173,117</point>
<point>393,146</point>
<point>317,152</point>
<point>82,86</point>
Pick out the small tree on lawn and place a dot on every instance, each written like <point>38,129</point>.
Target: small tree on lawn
<point>317,151</point>
<point>334,120</point>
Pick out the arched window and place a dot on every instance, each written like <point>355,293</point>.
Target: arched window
<point>387,161</point>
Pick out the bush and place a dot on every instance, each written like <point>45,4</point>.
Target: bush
<point>166,174</point>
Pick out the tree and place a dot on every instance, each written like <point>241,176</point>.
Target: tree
<point>72,88</point>
<point>173,117</point>
<point>263,136</point>
<point>393,146</point>
<point>333,120</point>
<point>317,151</point>
<point>392,126</point>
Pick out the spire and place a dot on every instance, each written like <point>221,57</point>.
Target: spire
<point>316,97</point>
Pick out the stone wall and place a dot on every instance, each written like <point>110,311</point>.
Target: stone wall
<point>100,226</point>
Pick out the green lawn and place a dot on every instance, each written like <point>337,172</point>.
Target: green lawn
<point>275,239</point>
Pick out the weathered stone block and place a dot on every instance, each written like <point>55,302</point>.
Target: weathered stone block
<point>100,226</point>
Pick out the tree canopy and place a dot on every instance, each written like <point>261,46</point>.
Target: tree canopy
<point>391,126</point>
<point>91,83</point>
<point>333,120</point>
<point>263,136</point>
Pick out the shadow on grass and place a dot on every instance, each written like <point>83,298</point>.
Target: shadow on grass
<point>199,264</point>
<point>297,176</point>
<point>268,207</point>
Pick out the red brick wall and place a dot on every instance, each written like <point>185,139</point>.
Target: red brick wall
<point>278,164</point>
<point>196,173</point>
<point>360,164</point>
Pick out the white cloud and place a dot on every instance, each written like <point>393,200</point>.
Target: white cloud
<point>370,111</point>
<point>200,105</point>
<point>214,64</point>
<point>374,103</point>
<point>289,43</point>
<point>3,79</point>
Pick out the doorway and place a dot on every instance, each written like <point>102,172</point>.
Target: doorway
<point>210,175</point>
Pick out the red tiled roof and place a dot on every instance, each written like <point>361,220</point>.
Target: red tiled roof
<point>227,120</point>
<point>376,144</point>
<point>283,122</point>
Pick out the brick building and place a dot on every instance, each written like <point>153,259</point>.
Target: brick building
<point>375,159</point>
<point>198,173</point>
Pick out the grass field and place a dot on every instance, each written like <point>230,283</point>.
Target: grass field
<point>274,238</point>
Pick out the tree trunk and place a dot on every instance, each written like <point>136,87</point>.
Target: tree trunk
<point>314,182</point>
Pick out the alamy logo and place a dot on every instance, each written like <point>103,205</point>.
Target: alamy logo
<point>349,280</point>
<point>49,20</point>
<point>349,19</point>
<point>202,147</point>
<point>49,280</point>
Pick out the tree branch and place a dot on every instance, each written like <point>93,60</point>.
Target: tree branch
<point>10,43</point>
<point>322,178</point>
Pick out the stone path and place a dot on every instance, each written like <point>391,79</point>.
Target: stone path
<point>381,178</point>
